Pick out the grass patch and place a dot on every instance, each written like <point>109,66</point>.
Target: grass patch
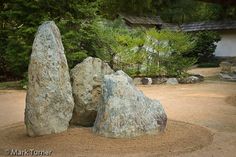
<point>11,85</point>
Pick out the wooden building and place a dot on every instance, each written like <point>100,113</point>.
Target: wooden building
<point>147,22</point>
<point>227,30</point>
<point>226,47</point>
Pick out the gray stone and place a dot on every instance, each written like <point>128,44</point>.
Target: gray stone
<point>172,81</point>
<point>200,77</point>
<point>159,80</point>
<point>190,80</point>
<point>225,67</point>
<point>229,77</point>
<point>49,100</point>
<point>137,81</point>
<point>86,85</point>
<point>125,111</point>
<point>146,81</point>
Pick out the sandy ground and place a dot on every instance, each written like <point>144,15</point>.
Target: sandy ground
<point>208,71</point>
<point>179,137</point>
<point>202,124</point>
<point>205,71</point>
<point>12,104</point>
<point>207,104</point>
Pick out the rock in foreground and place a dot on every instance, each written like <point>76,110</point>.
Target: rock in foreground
<point>49,101</point>
<point>125,111</point>
<point>86,82</point>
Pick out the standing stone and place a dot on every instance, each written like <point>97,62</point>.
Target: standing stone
<point>86,85</point>
<point>49,100</point>
<point>125,111</point>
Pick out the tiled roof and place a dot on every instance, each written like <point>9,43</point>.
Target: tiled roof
<point>200,26</point>
<point>170,26</point>
<point>144,20</point>
<point>220,1</point>
<point>187,27</point>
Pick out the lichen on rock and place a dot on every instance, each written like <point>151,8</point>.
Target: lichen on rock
<point>49,101</point>
<point>125,111</point>
<point>86,85</point>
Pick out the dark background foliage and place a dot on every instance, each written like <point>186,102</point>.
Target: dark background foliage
<point>20,20</point>
<point>205,45</point>
<point>78,23</point>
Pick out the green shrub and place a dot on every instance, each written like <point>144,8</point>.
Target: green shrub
<point>205,45</point>
<point>123,46</point>
<point>168,50</point>
<point>178,65</point>
<point>141,52</point>
<point>214,62</point>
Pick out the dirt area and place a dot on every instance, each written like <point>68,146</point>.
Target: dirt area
<point>12,104</point>
<point>206,72</point>
<point>179,137</point>
<point>231,100</point>
<point>202,123</point>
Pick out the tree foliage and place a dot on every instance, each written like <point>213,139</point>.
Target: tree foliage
<point>20,20</point>
<point>122,45</point>
<point>85,33</point>
<point>146,52</point>
<point>167,49</point>
<point>205,45</point>
<point>177,11</point>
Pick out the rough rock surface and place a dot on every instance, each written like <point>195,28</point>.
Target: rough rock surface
<point>225,67</point>
<point>190,80</point>
<point>146,81</point>
<point>49,100</point>
<point>137,81</point>
<point>200,77</point>
<point>86,85</point>
<point>159,80</point>
<point>125,111</point>
<point>172,81</point>
<point>229,77</point>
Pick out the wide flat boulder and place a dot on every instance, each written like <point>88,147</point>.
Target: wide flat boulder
<point>86,85</point>
<point>125,111</point>
<point>49,100</point>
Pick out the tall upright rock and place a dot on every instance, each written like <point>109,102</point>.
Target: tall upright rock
<point>125,111</point>
<point>49,100</point>
<point>87,79</point>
